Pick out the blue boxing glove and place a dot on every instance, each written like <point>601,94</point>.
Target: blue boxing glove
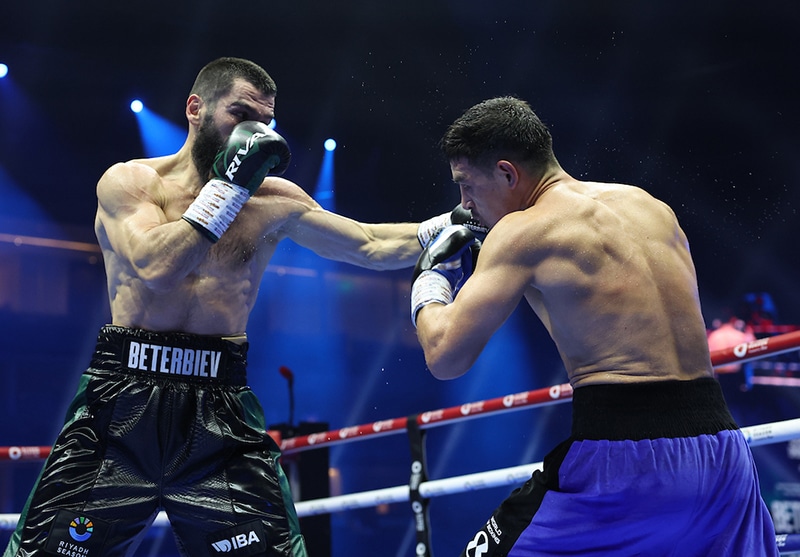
<point>429,229</point>
<point>252,151</point>
<point>443,268</point>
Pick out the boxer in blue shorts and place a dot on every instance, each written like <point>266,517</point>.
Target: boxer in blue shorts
<point>163,418</point>
<point>655,464</point>
<point>674,479</point>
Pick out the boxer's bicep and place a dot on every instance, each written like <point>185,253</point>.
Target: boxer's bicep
<point>126,208</point>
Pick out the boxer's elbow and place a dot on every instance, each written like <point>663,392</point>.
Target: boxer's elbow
<point>445,357</point>
<point>444,367</point>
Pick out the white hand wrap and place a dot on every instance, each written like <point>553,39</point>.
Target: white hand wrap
<point>430,287</point>
<point>429,229</point>
<point>215,207</point>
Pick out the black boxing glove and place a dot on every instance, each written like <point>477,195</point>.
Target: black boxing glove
<point>429,229</point>
<point>251,152</point>
<point>443,268</point>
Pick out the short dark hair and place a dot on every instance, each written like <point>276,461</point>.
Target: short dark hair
<point>499,128</point>
<point>217,77</point>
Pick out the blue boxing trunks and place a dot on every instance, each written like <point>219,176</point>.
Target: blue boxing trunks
<point>161,421</point>
<point>649,469</point>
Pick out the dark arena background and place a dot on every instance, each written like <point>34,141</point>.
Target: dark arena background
<point>696,102</point>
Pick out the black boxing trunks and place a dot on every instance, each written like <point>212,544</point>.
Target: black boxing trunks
<point>161,421</point>
<point>649,469</point>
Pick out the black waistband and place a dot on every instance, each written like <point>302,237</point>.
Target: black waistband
<point>174,356</point>
<point>650,410</point>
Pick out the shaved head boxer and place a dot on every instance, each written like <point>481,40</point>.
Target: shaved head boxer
<point>655,464</point>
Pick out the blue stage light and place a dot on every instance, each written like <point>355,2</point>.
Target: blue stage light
<point>137,106</point>
<point>330,144</point>
<point>3,71</point>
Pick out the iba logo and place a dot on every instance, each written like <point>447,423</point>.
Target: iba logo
<point>76,534</point>
<point>243,540</point>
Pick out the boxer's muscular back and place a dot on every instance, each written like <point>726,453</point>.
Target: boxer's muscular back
<point>621,300</point>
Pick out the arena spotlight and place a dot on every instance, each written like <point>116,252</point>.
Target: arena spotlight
<point>330,144</point>
<point>137,106</point>
<point>3,71</point>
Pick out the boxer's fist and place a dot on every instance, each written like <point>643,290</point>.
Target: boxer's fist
<point>252,151</point>
<point>429,229</point>
<point>450,251</point>
<point>443,268</point>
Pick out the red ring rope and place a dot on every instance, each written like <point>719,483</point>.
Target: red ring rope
<point>745,352</point>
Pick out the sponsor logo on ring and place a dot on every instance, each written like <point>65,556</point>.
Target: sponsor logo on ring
<point>346,432</point>
<point>515,399</point>
<point>471,408</point>
<point>314,437</point>
<point>382,425</point>
<point>430,416</point>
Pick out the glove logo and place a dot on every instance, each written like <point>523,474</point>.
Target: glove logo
<point>234,165</point>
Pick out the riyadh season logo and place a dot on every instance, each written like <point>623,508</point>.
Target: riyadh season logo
<point>81,529</point>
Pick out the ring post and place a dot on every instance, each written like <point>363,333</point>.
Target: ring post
<point>419,474</point>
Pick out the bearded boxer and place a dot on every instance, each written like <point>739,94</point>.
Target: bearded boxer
<point>655,464</point>
<point>163,418</point>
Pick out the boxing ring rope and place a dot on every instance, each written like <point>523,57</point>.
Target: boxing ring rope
<point>764,434</point>
<point>420,489</point>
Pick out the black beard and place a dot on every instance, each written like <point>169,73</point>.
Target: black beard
<point>208,142</point>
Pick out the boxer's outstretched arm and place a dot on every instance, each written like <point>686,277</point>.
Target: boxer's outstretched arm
<point>380,247</point>
<point>377,246</point>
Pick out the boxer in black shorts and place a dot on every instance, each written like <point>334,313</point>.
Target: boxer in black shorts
<point>607,269</point>
<point>168,417</point>
<point>163,418</point>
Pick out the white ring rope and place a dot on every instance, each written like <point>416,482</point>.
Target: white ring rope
<point>764,434</point>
